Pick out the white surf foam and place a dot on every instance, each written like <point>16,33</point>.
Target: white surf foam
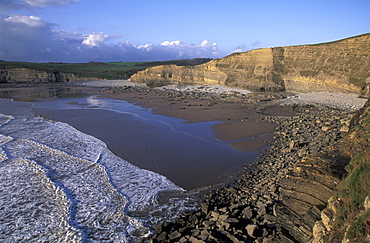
<point>99,188</point>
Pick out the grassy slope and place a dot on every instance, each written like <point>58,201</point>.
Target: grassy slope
<point>352,218</point>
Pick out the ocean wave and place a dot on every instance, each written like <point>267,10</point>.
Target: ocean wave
<point>76,183</point>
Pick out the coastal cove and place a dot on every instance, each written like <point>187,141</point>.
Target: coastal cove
<point>60,143</point>
<point>185,152</point>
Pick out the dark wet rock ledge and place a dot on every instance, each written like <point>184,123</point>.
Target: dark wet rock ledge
<point>281,196</point>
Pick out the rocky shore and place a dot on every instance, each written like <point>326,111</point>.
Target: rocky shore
<point>279,198</point>
<point>246,210</point>
<point>254,208</point>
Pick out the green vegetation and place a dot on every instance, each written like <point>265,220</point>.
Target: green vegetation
<point>308,73</point>
<point>353,191</point>
<point>360,228</point>
<point>109,70</point>
<point>182,62</point>
<point>222,65</point>
<point>230,79</point>
<point>357,81</point>
<point>240,67</point>
<point>356,186</point>
<point>113,70</point>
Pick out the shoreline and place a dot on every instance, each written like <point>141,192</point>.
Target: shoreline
<point>245,211</point>
<point>252,198</point>
<point>248,135</point>
<point>238,116</point>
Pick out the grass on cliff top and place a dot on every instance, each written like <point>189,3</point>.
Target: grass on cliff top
<point>104,70</point>
<point>112,70</point>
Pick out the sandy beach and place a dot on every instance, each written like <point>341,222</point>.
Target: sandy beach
<point>252,123</point>
<point>237,116</point>
<point>235,122</point>
<point>190,163</point>
<point>238,119</point>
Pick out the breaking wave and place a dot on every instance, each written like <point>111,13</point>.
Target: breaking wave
<point>59,184</point>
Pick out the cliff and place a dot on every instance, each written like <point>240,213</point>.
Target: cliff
<point>326,196</point>
<point>12,75</point>
<point>336,66</point>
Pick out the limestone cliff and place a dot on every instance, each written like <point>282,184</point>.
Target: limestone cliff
<point>317,204</point>
<point>306,192</point>
<point>25,75</point>
<point>336,66</point>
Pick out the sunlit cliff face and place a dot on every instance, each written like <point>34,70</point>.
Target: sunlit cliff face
<point>340,66</point>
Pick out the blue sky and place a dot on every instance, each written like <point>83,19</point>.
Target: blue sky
<point>134,30</point>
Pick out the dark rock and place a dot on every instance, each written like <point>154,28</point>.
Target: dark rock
<point>251,228</point>
<point>174,235</point>
<point>195,240</point>
<point>247,213</point>
<point>162,236</point>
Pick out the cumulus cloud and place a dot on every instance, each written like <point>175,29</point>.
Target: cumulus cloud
<point>31,21</point>
<point>30,38</point>
<point>95,39</point>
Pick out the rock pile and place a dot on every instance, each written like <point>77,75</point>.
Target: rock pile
<point>246,210</point>
<point>201,92</point>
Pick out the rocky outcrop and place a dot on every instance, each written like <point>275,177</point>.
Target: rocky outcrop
<point>16,75</point>
<point>346,217</point>
<point>305,192</point>
<point>279,200</point>
<point>169,74</point>
<point>336,66</point>
<point>310,207</point>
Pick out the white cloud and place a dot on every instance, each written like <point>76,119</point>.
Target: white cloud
<point>29,38</point>
<point>31,21</point>
<point>206,43</point>
<point>172,43</point>
<point>95,39</point>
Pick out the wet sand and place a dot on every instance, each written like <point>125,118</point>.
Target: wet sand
<point>235,122</point>
<point>238,125</point>
<point>186,160</point>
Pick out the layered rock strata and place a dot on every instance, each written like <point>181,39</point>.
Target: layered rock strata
<point>338,219</point>
<point>259,205</point>
<point>12,75</point>
<point>341,66</point>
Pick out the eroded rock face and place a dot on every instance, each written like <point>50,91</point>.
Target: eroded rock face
<point>24,75</point>
<point>305,193</point>
<point>169,74</point>
<point>337,66</point>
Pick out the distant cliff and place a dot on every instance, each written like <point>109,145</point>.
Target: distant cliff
<point>336,66</point>
<point>13,75</point>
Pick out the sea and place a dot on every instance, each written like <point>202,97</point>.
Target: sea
<point>79,167</point>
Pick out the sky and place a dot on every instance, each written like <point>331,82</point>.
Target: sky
<point>154,30</point>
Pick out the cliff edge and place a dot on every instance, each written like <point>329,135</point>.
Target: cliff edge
<point>339,66</point>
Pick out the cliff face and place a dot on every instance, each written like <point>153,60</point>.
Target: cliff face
<point>336,66</point>
<point>305,193</point>
<point>317,204</point>
<point>24,75</point>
